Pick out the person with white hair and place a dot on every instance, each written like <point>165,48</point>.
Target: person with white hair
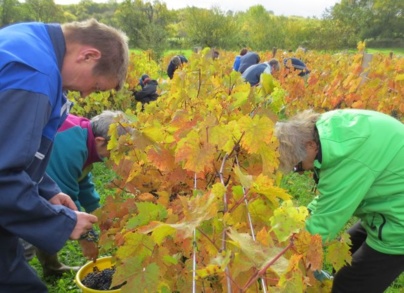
<point>357,159</point>
<point>79,144</point>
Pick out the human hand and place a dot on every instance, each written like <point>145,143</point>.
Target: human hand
<point>83,225</point>
<point>64,200</point>
<point>89,249</point>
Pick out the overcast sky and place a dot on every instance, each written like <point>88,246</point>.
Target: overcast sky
<point>304,8</point>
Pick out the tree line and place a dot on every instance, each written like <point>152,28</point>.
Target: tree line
<point>151,25</point>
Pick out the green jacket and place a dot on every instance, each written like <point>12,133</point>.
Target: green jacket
<point>361,173</point>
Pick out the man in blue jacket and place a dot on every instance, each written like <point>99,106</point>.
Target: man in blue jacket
<point>253,73</point>
<point>38,62</point>
<point>250,58</point>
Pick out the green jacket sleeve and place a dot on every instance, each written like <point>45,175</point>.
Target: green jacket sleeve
<point>342,188</point>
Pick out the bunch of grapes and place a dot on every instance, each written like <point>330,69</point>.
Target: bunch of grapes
<point>99,280</point>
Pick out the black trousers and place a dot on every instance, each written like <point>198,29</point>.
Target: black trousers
<point>371,271</point>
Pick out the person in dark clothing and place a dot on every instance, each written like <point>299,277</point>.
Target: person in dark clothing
<point>250,58</point>
<point>295,64</point>
<point>175,62</point>
<point>141,80</point>
<point>148,92</point>
<point>253,73</point>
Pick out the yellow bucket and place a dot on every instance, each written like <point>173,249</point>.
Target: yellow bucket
<point>102,264</point>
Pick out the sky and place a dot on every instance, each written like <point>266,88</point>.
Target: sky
<point>305,8</point>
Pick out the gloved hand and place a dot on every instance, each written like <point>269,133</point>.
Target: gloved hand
<point>322,275</point>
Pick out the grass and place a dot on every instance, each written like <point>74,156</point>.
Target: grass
<point>299,186</point>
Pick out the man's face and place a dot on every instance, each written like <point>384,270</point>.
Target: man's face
<point>77,73</point>
<point>86,83</point>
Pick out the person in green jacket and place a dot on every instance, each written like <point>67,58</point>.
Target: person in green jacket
<point>357,157</point>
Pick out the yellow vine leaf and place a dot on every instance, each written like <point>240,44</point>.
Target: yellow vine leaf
<point>196,210</point>
<point>216,265</point>
<point>338,252</point>
<point>139,278</point>
<point>161,158</point>
<point>245,180</point>
<point>288,219</point>
<point>253,128</point>
<point>267,83</point>
<point>311,247</point>
<point>256,253</point>
<point>196,156</point>
<point>292,280</point>
<point>265,185</point>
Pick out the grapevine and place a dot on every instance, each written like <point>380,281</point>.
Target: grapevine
<point>199,173</point>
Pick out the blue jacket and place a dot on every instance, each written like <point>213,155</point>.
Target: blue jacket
<point>71,162</point>
<point>236,64</point>
<point>32,107</point>
<point>297,64</point>
<point>250,58</point>
<point>253,73</point>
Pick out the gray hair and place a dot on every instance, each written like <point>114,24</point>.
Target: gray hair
<point>176,60</point>
<point>274,63</point>
<point>111,42</point>
<point>100,124</point>
<point>293,136</point>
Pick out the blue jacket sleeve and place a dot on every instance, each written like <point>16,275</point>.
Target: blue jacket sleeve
<point>48,188</point>
<point>23,117</point>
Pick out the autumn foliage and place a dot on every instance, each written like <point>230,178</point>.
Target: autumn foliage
<point>198,206</point>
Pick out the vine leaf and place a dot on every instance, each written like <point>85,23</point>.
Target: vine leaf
<point>338,252</point>
<point>195,155</point>
<point>288,219</point>
<point>140,279</point>
<point>255,253</point>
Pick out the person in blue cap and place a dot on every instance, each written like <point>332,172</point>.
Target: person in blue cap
<point>295,64</point>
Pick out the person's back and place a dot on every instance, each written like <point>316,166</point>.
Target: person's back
<point>148,92</point>
<point>296,64</point>
<point>175,62</point>
<point>250,58</point>
<point>253,73</point>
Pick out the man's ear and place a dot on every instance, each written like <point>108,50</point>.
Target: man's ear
<point>100,141</point>
<point>87,54</point>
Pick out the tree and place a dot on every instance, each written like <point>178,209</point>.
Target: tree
<point>11,11</point>
<point>44,11</point>
<point>145,23</point>
<point>210,28</point>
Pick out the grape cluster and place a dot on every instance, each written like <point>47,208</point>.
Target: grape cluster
<point>99,280</point>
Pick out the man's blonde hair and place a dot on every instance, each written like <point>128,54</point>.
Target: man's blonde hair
<point>293,136</point>
<point>111,42</point>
